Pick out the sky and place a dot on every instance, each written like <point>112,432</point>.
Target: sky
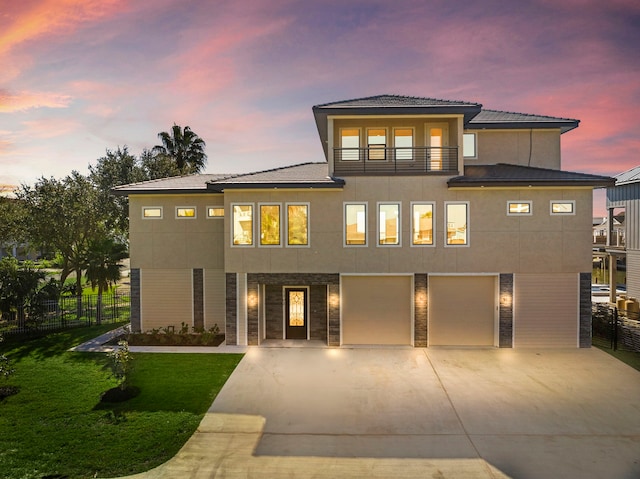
<point>78,77</point>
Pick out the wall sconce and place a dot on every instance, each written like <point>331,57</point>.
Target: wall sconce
<point>252,300</point>
<point>506,300</point>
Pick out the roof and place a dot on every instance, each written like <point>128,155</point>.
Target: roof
<point>502,174</point>
<point>494,119</point>
<point>306,175</point>
<point>395,101</point>
<point>629,176</point>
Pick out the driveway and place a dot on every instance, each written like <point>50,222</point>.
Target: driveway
<point>530,414</point>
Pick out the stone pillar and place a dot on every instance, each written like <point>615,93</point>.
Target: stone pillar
<point>505,333</point>
<point>585,310</point>
<point>231,326</point>
<point>334,313</point>
<point>134,277</point>
<point>253,313</point>
<point>198,299</point>
<point>420,310</point>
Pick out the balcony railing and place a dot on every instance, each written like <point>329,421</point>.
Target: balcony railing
<point>380,160</point>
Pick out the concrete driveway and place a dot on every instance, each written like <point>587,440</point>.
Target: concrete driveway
<point>419,413</point>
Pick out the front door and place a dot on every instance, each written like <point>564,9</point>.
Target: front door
<point>295,313</point>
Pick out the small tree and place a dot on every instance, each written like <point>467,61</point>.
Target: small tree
<point>103,266</point>
<point>121,363</point>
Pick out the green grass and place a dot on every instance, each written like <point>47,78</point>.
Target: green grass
<point>57,426</point>
<point>627,357</point>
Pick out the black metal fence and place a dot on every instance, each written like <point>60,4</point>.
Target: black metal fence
<point>69,312</point>
<point>615,329</point>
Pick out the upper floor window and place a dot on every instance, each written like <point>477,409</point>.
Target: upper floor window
<point>185,212</point>
<point>269,225</point>
<point>469,145</point>
<point>355,224</point>
<point>297,225</point>
<point>152,212</point>
<point>515,208</point>
<point>403,143</point>
<point>377,143</point>
<point>215,211</point>
<point>350,144</point>
<point>389,224</point>
<point>242,224</point>
<point>422,221</point>
<point>563,207</point>
<point>457,221</point>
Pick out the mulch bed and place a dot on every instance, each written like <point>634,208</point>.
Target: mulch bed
<point>143,339</point>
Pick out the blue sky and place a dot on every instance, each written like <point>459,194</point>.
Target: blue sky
<point>82,76</point>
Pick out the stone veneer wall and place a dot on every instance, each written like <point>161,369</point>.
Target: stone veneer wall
<point>134,277</point>
<point>198,298</point>
<point>506,311</point>
<point>585,310</point>
<point>421,308</point>
<point>231,332</point>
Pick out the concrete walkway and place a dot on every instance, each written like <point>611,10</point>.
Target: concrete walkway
<point>446,413</point>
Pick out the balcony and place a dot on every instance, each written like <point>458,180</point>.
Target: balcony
<point>381,160</point>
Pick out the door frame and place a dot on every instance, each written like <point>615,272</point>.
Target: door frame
<point>285,313</point>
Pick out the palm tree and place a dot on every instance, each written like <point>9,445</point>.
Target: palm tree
<point>184,147</point>
<point>103,266</point>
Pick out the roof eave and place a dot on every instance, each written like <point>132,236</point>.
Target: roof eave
<point>221,187</point>
<point>158,191</point>
<point>509,125</point>
<point>526,183</point>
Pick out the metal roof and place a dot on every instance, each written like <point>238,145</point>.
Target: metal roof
<point>494,119</point>
<point>629,176</point>
<point>502,174</point>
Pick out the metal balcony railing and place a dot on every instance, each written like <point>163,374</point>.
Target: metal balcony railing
<point>381,160</point>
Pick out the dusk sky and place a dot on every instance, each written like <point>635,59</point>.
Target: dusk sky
<point>78,77</point>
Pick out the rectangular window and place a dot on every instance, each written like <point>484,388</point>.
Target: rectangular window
<point>298,225</point>
<point>185,212</point>
<point>388,224</point>
<point>215,211</point>
<point>403,143</point>
<point>516,208</point>
<point>152,212</point>
<point>457,220</point>
<point>355,224</point>
<point>563,207</point>
<point>377,143</point>
<point>269,225</point>
<point>422,221</point>
<point>469,145</point>
<point>350,144</point>
<point>242,224</point>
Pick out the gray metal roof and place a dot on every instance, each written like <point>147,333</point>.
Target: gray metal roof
<point>494,119</point>
<point>629,176</point>
<point>502,174</point>
<point>390,101</point>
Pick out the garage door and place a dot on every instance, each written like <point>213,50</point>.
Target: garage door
<point>462,310</point>
<point>376,309</point>
<point>545,310</point>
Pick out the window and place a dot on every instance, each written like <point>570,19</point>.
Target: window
<point>403,143</point>
<point>152,212</point>
<point>457,220</point>
<point>519,208</point>
<point>242,225</point>
<point>215,212</point>
<point>269,225</point>
<point>437,141</point>
<point>350,144</point>
<point>185,212</point>
<point>355,224</point>
<point>563,207</point>
<point>298,225</point>
<point>422,222</point>
<point>388,224</point>
<point>377,143</point>
<point>469,145</point>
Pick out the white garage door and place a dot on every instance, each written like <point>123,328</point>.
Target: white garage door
<point>462,311</point>
<point>545,310</point>
<point>376,309</point>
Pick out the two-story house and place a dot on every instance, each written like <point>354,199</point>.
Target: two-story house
<point>430,223</point>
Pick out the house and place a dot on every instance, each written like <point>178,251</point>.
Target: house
<point>624,196</point>
<point>430,223</point>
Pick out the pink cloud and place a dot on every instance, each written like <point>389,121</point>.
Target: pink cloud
<point>24,100</point>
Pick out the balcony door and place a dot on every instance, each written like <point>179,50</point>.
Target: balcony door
<point>437,141</point>
<point>296,313</point>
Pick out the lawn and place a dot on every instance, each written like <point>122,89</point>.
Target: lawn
<point>56,425</point>
<point>628,357</point>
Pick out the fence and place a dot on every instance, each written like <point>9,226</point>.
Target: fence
<point>615,329</point>
<point>71,311</point>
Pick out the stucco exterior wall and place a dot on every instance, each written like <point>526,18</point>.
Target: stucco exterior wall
<point>517,147</point>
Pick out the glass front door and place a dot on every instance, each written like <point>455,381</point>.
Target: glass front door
<point>296,313</point>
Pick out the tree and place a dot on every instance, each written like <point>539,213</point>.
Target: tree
<point>19,286</point>
<point>11,222</point>
<point>156,166</point>
<point>104,255</point>
<point>184,147</point>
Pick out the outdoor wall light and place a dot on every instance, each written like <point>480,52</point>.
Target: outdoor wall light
<point>505,299</point>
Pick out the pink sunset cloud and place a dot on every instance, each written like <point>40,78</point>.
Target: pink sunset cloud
<point>24,100</point>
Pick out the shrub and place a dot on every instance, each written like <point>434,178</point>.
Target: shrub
<point>121,363</point>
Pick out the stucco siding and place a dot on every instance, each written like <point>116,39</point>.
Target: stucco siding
<point>214,298</point>
<point>166,298</point>
<point>538,148</point>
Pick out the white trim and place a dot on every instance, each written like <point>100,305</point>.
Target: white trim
<point>578,311</point>
<point>344,224</point>
<point>308,310</point>
<point>468,231</point>
<point>193,304</point>
<point>140,297</point>
<point>520,202</point>
<point>433,224</point>
<point>286,225</point>
<point>253,224</point>
<point>195,212</point>
<point>215,217</point>
<point>259,225</point>
<point>241,308</point>
<point>152,208</point>
<point>378,231</point>
<point>571,202</point>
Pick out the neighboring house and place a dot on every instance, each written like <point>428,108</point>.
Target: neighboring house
<point>601,227</point>
<point>625,194</point>
<point>431,223</point>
